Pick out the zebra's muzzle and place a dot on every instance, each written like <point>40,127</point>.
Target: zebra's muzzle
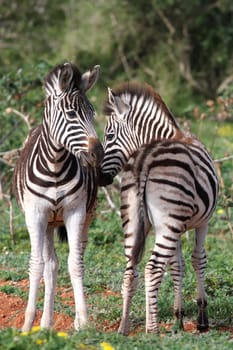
<point>95,154</point>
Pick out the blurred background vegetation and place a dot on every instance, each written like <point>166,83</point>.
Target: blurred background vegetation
<point>184,49</point>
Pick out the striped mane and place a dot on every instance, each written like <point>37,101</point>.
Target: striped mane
<point>130,90</point>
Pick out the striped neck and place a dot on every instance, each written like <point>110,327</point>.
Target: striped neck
<point>155,124</point>
<point>52,157</point>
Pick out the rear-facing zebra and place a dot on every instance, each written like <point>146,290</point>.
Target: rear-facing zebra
<point>169,182</point>
<point>55,182</point>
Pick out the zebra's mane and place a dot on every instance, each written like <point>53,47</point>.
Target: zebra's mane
<point>129,90</point>
<point>54,83</point>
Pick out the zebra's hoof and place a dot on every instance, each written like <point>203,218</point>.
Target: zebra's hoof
<point>202,321</point>
<point>202,327</point>
<point>177,327</point>
<point>124,332</point>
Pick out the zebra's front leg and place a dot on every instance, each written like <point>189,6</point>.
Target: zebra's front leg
<point>50,278</point>
<point>177,272</point>
<point>36,224</point>
<point>199,260</point>
<point>129,286</point>
<point>77,238</point>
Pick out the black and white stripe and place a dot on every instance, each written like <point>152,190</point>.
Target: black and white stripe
<point>55,182</point>
<point>168,181</point>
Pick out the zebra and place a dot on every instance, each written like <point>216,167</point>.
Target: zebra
<point>168,182</point>
<point>55,184</point>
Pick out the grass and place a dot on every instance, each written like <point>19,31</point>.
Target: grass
<point>90,339</point>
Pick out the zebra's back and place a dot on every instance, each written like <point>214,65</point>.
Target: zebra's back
<point>176,180</point>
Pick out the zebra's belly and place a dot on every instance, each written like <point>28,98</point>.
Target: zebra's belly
<point>54,202</point>
<point>168,208</point>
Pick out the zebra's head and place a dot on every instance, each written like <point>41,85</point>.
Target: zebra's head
<point>118,142</point>
<point>69,116</point>
<point>136,116</point>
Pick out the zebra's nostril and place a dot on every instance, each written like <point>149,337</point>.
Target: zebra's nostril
<point>96,150</point>
<point>93,155</point>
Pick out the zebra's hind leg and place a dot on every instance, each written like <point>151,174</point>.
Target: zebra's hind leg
<point>129,286</point>
<point>164,250</point>
<point>199,263</point>
<point>36,223</point>
<point>177,272</point>
<point>154,272</point>
<point>50,278</point>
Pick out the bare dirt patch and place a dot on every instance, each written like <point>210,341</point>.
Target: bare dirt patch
<point>12,308</point>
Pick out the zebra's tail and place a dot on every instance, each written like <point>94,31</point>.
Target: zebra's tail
<point>62,234</point>
<point>142,227</point>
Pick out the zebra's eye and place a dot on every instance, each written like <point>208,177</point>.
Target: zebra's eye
<point>71,114</point>
<point>109,137</point>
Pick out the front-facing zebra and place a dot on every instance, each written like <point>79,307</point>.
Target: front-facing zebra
<point>169,182</point>
<point>55,182</point>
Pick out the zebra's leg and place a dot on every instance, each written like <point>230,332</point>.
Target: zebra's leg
<point>154,272</point>
<point>177,266</point>
<point>130,280</point>
<point>136,225</point>
<point>50,278</point>
<point>199,260</point>
<point>129,286</point>
<point>36,222</point>
<point>77,238</point>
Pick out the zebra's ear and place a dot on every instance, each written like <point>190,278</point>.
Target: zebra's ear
<point>66,76</point>
<point>90,78</point>
<point>117,104</point>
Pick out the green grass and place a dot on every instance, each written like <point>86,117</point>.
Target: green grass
<point>90,339</point>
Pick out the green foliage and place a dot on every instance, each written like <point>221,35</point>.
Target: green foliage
<point>21,90</point>
<point>166,43</point>
<point>28,28</point>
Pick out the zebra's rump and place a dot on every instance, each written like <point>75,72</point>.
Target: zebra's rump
<point>176,178</point>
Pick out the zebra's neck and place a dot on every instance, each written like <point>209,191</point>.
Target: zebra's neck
<point>51,157</point>
<point>157,124</point>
